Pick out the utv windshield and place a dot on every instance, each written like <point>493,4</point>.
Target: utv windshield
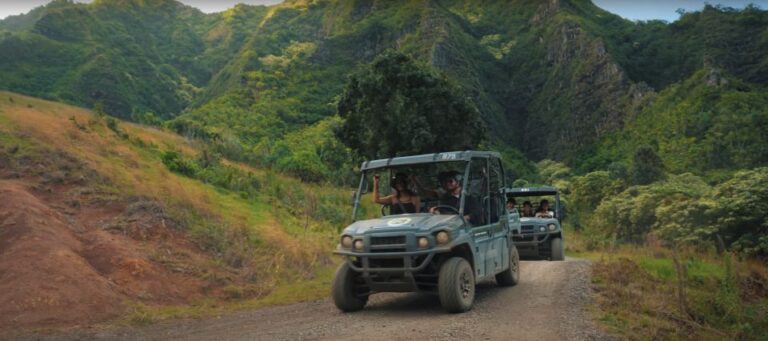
<point>405,189</point>
<point>533,203</point>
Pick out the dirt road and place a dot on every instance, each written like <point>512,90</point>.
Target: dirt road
<point>548,304</point>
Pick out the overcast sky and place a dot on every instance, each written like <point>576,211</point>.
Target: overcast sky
<point>666,9</point>
<point>630,9</point>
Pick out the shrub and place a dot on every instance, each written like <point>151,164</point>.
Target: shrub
<point>178,164</point>
<point>630,215</point>
<point>647,166</point>
<point>304,164</point>
<point>587,192</point>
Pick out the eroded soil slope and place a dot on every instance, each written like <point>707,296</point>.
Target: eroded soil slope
<point>44,277</point>
<point>71,255</point>
<point>95,224</point>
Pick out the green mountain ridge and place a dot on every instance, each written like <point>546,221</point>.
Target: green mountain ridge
<point>557,79</point>
<point>711,121</point>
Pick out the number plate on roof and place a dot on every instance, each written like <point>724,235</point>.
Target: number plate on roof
<point>447,156</point>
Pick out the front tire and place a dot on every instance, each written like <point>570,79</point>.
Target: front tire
<point>510,276</point>
<point>456,285</point>
<point>345,291</point>
<point>556,246</point>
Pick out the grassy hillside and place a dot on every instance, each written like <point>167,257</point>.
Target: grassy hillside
<point>257,233</point>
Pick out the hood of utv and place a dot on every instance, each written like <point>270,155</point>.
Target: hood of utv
<point>405,222</point>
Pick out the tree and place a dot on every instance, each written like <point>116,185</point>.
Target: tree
<point>742,204</point>
<point>647,166</point>
<point>396,106</point>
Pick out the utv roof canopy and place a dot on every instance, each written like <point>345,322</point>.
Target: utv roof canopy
<point>428,158</point>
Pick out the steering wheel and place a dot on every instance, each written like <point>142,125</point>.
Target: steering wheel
<point>466,223</point>
<point>448,207</point>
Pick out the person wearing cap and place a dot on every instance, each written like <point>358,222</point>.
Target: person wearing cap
<point>450,182</point>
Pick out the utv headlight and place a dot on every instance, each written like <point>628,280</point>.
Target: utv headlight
<point>423,242</point>
<point>359,244</point>
<point>442,238</point>
<point>542,229</point>
<point>552,227</point>
<point>346,242</point>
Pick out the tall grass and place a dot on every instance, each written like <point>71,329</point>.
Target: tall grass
<point>270,229</point>
<point>652,292</point>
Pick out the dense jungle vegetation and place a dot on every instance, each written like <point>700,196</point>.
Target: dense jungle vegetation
<point>651,128</point>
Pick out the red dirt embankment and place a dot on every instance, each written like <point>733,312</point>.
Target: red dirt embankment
<point>44,279</point>
<point>66,265</point>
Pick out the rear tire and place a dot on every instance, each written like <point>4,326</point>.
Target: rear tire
<point>510,276</point>
<point>456,285</point>
<point>556,246</point>
<point>344,288</point>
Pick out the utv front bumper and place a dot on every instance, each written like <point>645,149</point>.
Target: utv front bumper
<point>398,271</point>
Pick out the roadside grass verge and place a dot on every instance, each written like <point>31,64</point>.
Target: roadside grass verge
<point>654,292</point>
<point>286,292</point>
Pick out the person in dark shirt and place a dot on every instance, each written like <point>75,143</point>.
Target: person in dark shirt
<point>450,182</point>
<point>511,204</point>
<point>527,210</point>
<point>402,200</point>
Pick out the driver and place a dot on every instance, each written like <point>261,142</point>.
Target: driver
<point>527,209</point>
<point>450,183</point>
<point>511,203</point>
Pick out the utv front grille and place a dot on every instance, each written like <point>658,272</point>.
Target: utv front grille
<point>527,229</point>
<point>396,240</point>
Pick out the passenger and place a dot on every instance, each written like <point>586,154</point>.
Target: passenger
<point>527,210</point>
<point>402,200</point>
<point>450,183</point>
<point>511,204</point>
<point>544,211</point>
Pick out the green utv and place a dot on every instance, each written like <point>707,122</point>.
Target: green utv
<point>457,236</point>
<point>540,235</point>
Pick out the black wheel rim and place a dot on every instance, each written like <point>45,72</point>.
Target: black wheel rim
<point>465,284</point>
